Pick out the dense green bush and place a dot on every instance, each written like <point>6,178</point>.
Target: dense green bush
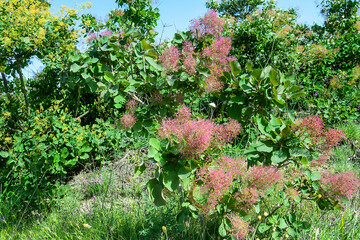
<point>49,147</point>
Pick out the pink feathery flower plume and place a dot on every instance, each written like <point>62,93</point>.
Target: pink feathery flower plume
<point>106,33</point>
<point>312,127</point>
<point>196,136</point>
<point>239,227</point>
<point>340,185</point>
<point>189,59</point>
<point>210,24</point>
<point>217,61</point>
<point>263,177</point>
<point>170,58</point>
<point>128,120</point>
<point>217,177</point>
<point>92,37</point>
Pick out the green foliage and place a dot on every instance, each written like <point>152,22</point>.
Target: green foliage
<point>236,8</point>
<point>141,14</point>
<point>339,14</point>
<point>97,184</point>
<point>266,37</point>
<point>259,92</point>
<point>325,57</point>
<point>50,146</point>
<point>278,145</point>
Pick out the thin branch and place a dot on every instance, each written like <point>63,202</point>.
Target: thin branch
<point>82,115</point>
<point>23,90</point>
<point>135,97</point>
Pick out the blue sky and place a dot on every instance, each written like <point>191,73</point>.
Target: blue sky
<point>176,14</point>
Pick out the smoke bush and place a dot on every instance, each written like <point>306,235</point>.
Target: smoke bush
<point>312,127</point>
<point>170,58</point>
<point>340,185</point>
<point>196,136</point>
<point>210,24</point>
<point>128,120</point>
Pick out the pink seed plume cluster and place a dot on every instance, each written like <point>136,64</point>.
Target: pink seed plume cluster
<point>189,59</point>
<point>106,33</point>
<point>217,61</point>
<point>215,55</point>
<point>239,228</point>
<point>333,137</point>
<point>128,120</point>
<point>321,161</point>
<point>340,185</point>
<point>131,105</point>
<point>217,178</point>
<point>210,24</point>
<point>170,58</point>
<point>312,127</point>
<point>226,133</point>
<point>196,136</point>
<point>292,193</point>
<point>247,198</point>
<point>92,36</point>
<point>263,177</point>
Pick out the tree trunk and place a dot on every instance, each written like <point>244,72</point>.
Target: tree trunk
<point>23,90</point>
<point>5,85</point>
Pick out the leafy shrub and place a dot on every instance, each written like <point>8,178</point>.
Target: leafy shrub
<point>51,146</point>
<point>225,189</point>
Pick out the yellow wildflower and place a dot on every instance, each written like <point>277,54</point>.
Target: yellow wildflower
<point>6,40</point>
<point>7,114</point>
<point>86,225</point>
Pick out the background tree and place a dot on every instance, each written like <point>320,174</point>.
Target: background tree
<point>339,14</point>
<point>236,8</point>
<point>28,29</point>
<point>141,14</point>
